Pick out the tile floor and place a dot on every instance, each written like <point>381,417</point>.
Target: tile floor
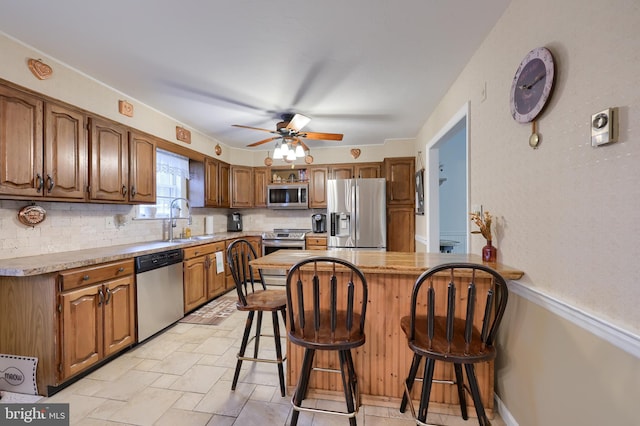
<point>183,376</point>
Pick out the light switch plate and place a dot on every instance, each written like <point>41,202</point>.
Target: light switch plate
<point>604,127</point>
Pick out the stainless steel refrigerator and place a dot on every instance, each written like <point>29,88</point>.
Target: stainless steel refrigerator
<point>357,214</point>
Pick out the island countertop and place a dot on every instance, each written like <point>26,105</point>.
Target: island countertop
<point>381,262</point>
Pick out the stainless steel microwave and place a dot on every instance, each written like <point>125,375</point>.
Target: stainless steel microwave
<point>288,196</point>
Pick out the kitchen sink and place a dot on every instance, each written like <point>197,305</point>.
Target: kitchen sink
<point>194,238</point>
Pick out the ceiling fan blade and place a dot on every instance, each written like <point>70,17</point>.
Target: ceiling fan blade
<point>323,136</point>
<point>298,122</point>
<point>252,128</point>
<point>264,141</point>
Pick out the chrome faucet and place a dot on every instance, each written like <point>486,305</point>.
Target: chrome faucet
<point>172,221</point>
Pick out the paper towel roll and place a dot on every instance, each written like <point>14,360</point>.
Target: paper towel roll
<point>208,225</point>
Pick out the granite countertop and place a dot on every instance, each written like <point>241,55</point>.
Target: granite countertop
<point>381,262</point>
<point>54,262</point>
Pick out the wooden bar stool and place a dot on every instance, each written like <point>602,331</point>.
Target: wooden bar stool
<point>254,297</point>
<point>446,314</point>
<point>327,302</point>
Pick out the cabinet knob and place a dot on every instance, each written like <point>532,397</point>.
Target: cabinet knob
<point>124,190</point>
<point>133,191</point>
<point>86,278</point>
<point>120,269</point>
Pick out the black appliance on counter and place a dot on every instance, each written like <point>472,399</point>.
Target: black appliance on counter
<point>234,222</point>
<point>319,223</point>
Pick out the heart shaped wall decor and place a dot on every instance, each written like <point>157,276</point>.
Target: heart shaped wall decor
<point>40,69</point>
<point>355,153</point>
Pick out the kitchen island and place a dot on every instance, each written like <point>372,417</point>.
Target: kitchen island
<point>383,361</point>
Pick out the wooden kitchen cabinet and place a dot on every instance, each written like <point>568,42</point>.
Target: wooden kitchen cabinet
<point>109,176</point>
<point>400,175</point>
<point>241,187</point>
<point>400,179</point>
<point>256,243</point>
<point>401,228</point>
<point>318,186</point>
<point>315,243</point>
<point>97,314</point>
<point>202,280</point>
<point>260,181</point>
<point>224,183</point>
<point>341,171</point>
<point>367,170</point>
<point>142,168</point>
<point>209,185</point>
<point>43,148</point>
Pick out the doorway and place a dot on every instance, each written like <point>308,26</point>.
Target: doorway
<point>447,187</point>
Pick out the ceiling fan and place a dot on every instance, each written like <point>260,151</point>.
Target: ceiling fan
<point>289,130</point>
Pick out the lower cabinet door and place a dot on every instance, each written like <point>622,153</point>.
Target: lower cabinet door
<point>81,329</point>
<point>119,314</point>
<point>195,283</point>
<point>215,280</point>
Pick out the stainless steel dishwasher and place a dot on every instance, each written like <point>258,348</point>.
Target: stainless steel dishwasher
<point>159,291</point>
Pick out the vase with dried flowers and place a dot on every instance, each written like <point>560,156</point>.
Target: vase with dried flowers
<point>483,221</point>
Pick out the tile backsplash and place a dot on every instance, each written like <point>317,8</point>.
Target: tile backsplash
<point>77,226</point>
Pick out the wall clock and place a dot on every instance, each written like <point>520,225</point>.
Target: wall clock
<point>531,88</point>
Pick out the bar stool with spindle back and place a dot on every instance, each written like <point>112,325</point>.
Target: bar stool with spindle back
<point>452,321</point>
<point>253,296</point>
<point>327,302</point>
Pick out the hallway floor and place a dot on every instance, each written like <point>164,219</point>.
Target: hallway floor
<point>183,376</point>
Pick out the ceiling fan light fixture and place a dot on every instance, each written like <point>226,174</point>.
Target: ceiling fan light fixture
<point>291,155</point>
<point>299,151</point>
<point>277,153</point>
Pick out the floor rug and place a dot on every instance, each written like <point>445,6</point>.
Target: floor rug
<point>213,313</point>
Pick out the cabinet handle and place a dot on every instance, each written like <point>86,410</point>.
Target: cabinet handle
<point>100,297</point>
<point>124,190</point>
<point>109,293</point>
<point>51,183</point>
<point>86,278</point>
<point>120,269</point>
<point>133,191</point>
<point>39,182</point>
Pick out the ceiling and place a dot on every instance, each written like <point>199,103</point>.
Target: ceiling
<point>370,69</point>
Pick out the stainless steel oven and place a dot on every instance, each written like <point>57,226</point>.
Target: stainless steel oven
<point>281,239</point>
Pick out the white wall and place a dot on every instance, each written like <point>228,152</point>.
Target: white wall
<point>567,213</point>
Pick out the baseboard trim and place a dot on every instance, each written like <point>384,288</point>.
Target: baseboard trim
<point>613,334</point>
<point>509,420</point>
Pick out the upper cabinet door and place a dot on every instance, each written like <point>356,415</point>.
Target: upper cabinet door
<point>211,167</point>
<point>242,186</point>
<point>20,143</point>
<point>223,184</point>
<point>401,185</point>
<point>367,170</point>
<point>109,161</point>
<point>317,186</point>
<point>65,148</point>
<point>142,168</point>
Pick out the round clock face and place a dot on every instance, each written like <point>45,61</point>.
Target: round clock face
<point>532,85</point>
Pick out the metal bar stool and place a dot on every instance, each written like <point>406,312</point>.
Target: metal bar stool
<point>254,297</point>
<point>327,302</point>
<point>447,330</point>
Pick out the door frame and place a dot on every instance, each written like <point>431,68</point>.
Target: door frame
<point>432,181</point>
